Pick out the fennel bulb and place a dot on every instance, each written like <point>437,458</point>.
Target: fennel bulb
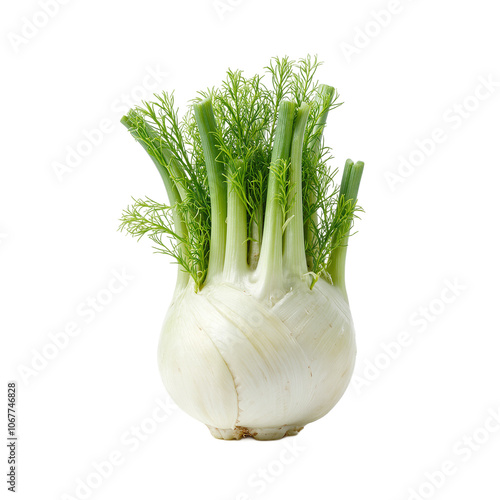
<point>258,340</point>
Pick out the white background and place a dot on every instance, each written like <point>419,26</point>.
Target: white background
<point>59,246</point>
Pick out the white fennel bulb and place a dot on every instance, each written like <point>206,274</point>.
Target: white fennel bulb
<point>245,367</point>
<point>258,340</point>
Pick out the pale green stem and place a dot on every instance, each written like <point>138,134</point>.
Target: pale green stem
<point>294,257</point>
<point>173,198</point>
<point>207,127</point>
<point>256,237</point>
<point>171,164</point>
<point>324,99</point>
<point>236,243</point>
<point>269,268</point>
<point>349,187</point>
<point>176,172</point>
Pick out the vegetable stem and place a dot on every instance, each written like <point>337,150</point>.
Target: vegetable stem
<point>207,128</point>
<point>255,237</point>
<point>141,135</point>
<point>146,139</point>
<point>271,258</point>
<point>294,251</point>
<point>176,172</point>
<point>236,243</point>
<point>170,163</point>
<point>349,187</point>
<point>324,97</point>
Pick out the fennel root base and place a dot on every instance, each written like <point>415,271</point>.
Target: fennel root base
<point>261,434</point>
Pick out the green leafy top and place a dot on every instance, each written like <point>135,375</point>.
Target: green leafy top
<point>242,119</point>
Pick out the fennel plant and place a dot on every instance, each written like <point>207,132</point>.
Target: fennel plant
<point>258,340</point>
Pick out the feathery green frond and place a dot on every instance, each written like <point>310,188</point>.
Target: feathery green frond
<point>233,130</point>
